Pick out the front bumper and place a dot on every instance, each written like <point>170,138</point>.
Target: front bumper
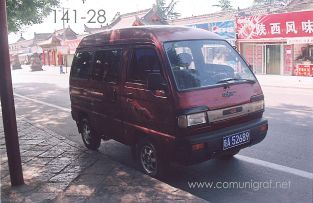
<point>213,142</point>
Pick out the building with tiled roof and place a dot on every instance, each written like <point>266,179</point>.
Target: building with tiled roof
<point>143,17</point>
<point>54,52</point>
<point>39,37</point>
<point>21,46</point>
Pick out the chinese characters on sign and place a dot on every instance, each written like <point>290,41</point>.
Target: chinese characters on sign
<point>304,70</point>
<point>297,24</point>
<point>307,26</point>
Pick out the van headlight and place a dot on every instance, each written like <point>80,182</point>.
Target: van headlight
<point>185,121</point>
<point>258,106</point>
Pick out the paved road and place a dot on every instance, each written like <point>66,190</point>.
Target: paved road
<point>283,161</point>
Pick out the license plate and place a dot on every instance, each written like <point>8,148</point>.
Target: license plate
<point>236,139</point>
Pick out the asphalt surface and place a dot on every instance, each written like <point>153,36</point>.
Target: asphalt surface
<point>280,168</point>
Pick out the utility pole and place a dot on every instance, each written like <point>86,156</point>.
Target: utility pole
<point>7,103</point>
<point>63,58</point>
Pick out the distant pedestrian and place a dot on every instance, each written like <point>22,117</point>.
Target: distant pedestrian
<point>61,69</point>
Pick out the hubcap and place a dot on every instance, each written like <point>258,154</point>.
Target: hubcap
<point>86,133</point>
<point>148,159</point>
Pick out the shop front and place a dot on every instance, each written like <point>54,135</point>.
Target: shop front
<point>278,44</point>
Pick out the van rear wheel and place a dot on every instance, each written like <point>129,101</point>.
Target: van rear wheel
<point>151,160</point>
<point>90,139</point>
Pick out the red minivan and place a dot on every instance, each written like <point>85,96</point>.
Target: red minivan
<point>174,94</point>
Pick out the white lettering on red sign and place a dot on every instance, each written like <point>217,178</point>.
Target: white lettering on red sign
<point>275,28</point>
<point>260,29</point>
<point>291,27</point>
<point>307,26</point>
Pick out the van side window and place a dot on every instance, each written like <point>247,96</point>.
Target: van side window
<point>81,64</point>
<point>144,62</point>
<point>106,65</point>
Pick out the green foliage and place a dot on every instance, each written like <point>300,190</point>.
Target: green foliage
<point>167,12</point>
<point>28,12</point>
<point>224,5</point>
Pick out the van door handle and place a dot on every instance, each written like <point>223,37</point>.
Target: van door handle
<point>130,95</point>
<point>114,95</point>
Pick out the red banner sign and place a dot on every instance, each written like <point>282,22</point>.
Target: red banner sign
<point>304,70</point>
<point>284,25</point>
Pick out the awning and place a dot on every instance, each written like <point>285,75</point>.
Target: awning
<point>263,40</point>
<point>300,40</point>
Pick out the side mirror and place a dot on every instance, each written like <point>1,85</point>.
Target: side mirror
<point>155,81</point>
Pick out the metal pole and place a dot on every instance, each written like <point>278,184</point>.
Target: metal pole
<point>7,103</point>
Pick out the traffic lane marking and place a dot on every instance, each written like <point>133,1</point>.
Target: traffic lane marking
<point>289,110</point>
<point>259,162</point>
<point>44,103</point>
<point>277,167</point>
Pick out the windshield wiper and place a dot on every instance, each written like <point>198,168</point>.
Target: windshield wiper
<point>226,80</point>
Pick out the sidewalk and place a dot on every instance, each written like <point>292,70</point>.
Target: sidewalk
<point>286,81</point>
<point>47,69</point>
<point>49,74</point>
<point>58,170</point>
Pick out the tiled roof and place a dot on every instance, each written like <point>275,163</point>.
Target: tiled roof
<point>66,34</point>
<point>297,5</point>
<point>21,39</point>
<point>125,20</point>
<point>41,36</point>
<point>255,10</point>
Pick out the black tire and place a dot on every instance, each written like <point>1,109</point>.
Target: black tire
<point>155,164</point>
<point>89,137</point>
<point>229,155</point>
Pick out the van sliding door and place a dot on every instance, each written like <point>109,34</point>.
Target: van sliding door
<point>106,92</point>
<point>143,108</point>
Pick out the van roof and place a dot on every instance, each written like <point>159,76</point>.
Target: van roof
<point>142,34</point>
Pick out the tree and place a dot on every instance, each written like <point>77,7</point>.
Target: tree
<point>28,12</point>
<point>224,5</point>
<point>167,12</point>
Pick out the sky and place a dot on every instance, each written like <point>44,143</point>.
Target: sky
<point>50,24</point>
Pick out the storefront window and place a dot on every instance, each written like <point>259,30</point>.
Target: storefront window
<point>253,53</point>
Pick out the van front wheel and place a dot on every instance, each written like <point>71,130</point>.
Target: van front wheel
<point>151,160</point>
<point>90,139</point>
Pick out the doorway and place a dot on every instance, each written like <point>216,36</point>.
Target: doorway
<point>273,59</point>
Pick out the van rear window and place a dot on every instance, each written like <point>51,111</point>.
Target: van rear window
<point>81,64</point>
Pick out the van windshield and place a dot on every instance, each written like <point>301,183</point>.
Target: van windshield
<point>203,63</point>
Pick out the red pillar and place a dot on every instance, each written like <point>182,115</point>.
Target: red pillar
<point>49,60</point>
<point>53,57</point>
<point>43,57</point>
